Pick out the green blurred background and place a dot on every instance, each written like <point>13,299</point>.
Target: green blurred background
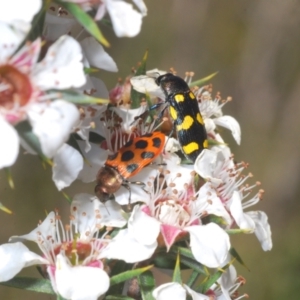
<point>255,46</point>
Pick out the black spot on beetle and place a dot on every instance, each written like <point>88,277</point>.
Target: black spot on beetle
<point>142,144</point>
<point>131,168</point>
<point>127,156</point>
<point>156,142</point>
<point>128,144</point>
<point>147,154</point>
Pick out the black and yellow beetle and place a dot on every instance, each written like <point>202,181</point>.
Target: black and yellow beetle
<point>185,113</point>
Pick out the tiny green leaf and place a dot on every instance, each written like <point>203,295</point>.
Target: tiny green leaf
<point>85,20</point>
<point>118,297</point>
<point>209,281</point>
<point>236,231</point>
<point>78,98</point>
<point>117,267</point>
<point>147,284</point>
<point>5,209</point>
<point>128,275</point>
<point>9,177</point>
<point>193,278</point>
<point>201,81</point>
<point>25,131</point>
<point>177,273</point>
<point>235,254</point>
<point>30,284</point>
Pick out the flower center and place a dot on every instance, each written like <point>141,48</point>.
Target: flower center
<point>15,88</point>
<point>77,252</point>
<point>172,213</point>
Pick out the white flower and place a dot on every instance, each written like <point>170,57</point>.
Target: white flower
<point>23,87</point>
<point>226,192</point>
<point>176,291</point>
<point>171,212</point>
<point>71,253</point>
<point>126,21</point>
<point>211,110</point>
<point>18,10</point>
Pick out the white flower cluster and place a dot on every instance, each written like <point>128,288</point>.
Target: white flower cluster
<point>195,206</point>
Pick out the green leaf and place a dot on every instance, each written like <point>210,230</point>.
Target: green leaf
<point>128,275</point>
<point>188,259</point>
<point>135,96</point>
<point>37,25</point>
<point>117,267</point>
<point>89,71</point>
<point>9,177</point>
<point>177,273</point>
<point>192,279</point>
<point>215,219</point>
<point>25,131</point>
<point>236,231</point>
<point>5,209</point>
<point>209,281</point>
<point>147,285</point>
<point>235,254</point>
<point>201,81</point>
<point>164,261</point>
<point>85,20</point>
<point>78,98</point>
<point>118,297</point>
<point>30,284</point>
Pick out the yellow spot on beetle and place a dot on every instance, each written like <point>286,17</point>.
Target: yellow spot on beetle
<point>186,124</point>
<point>173,113</point>
<point>205,144</point>
<point>179,98</point>
<point>200,119</point>
<point>191,147</point>
<point>192,96</point>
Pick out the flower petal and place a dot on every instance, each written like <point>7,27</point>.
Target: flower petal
<point>146,84</point>
<point>125,247</point>
<point>62,67</point>
<point>88,213</point>
<point>14,257</point>
<point>138,194</point>
<point>97,56</point>
<point>243,220</point>
<point>52,123</point>
<point>171,290</point>
<point>96,158</point>
<point>195,295</point>
<point>143,227</point>
<point>10,144</point>
<point>79,282</point>
<point>126,21</point>
<point>67,163</point>
<point>10,39</point>
<point>141,6</point>
<point>205,166</point>
<point>209,244</point>
<point>262,228</point>
<point>231,124</point>
<point>45,230</point>
<point>11,11</point>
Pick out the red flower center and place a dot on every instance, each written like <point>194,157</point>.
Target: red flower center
<point>15,87</point>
